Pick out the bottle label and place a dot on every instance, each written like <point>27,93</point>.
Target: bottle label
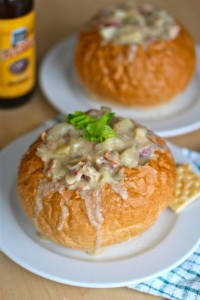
<point>17,56</point>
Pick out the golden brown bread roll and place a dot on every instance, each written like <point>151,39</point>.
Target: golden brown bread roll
<point>135,56</point>
<point>87,194</point>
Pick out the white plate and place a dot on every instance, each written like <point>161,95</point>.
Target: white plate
<point>169,242</point>
<point>62,88</point>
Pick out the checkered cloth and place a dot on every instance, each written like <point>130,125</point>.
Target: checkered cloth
<point>183,282</point>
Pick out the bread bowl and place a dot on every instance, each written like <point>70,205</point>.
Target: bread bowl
<point>134,55</point>
<point>87,194</point>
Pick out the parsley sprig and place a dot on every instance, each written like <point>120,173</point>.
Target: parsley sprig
<point>94,130</point>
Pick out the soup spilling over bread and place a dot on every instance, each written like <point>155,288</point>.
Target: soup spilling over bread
<point>95,180</point>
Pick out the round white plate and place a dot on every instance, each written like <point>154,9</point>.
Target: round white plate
<point>63,89</point>
<point>165,245</point>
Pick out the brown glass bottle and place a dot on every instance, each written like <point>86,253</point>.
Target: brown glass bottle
<point>17,52</point>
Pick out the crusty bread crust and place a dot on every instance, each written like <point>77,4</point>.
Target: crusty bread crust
<point>149,188</point>
<point>154,76</point>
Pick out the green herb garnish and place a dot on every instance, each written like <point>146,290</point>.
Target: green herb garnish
<point>94,130</point>
<point>80,120</point>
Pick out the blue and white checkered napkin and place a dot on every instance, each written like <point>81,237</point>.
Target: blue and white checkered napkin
<point>183,282</point>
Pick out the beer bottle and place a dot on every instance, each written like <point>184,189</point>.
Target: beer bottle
<point>17,52</point>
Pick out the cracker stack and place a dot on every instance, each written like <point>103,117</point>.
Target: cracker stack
<point>187,187</point>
